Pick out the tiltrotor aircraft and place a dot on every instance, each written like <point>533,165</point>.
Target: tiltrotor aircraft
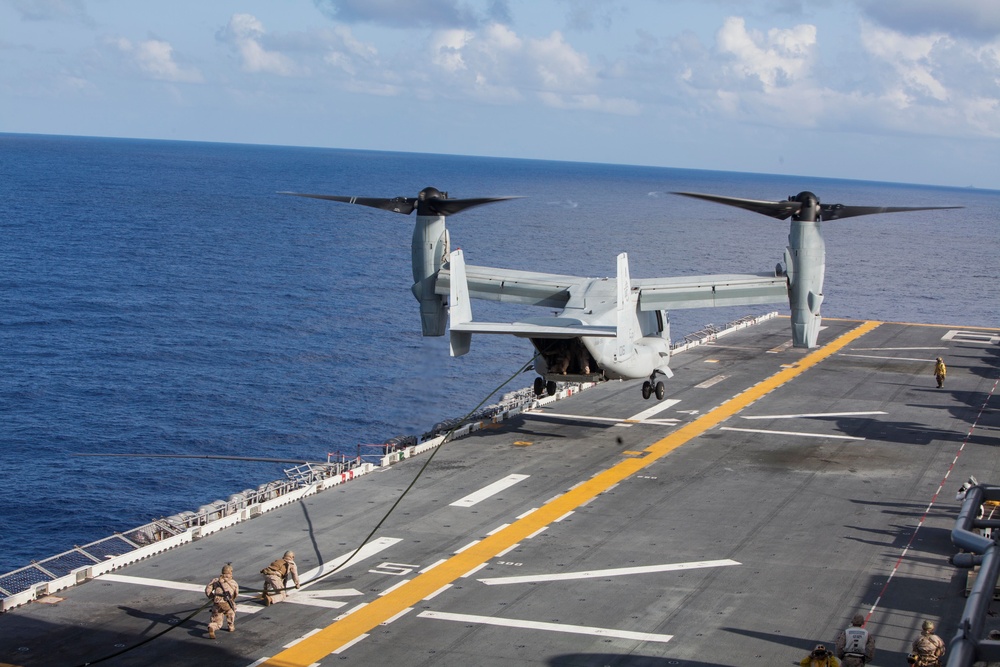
<point>606,329</point>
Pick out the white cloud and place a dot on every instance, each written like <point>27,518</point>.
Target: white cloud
<point>910,57</point>
<point>244,33</point>
<point>777,59</point>
<point>155,58</point>
<point>496,65</point>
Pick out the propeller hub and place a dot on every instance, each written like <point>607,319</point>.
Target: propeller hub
<point>431,193</point>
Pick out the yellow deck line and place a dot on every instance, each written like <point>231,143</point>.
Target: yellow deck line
<point>316,647</point>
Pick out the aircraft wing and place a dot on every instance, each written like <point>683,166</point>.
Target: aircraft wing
<point>548,290</point>
<point>710,291</point>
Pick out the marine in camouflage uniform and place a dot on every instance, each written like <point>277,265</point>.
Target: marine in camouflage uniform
<point>276,577</point>
<point>223,591</point>
<point>928,649</point>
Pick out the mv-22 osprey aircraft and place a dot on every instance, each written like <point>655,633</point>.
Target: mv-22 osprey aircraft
<point>604,329</point>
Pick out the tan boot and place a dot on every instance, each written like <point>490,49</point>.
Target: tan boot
<point>211,633</point>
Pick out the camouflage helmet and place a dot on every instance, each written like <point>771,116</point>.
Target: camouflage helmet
<point>227,569</point>
<point>289,554</point>
<point>858,620</point>
<point>928,626</point>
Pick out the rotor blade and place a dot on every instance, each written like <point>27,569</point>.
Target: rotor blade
<point>453,206</point>
<point>839,211</point>
<point>404,205</point>
<point>781,210</point>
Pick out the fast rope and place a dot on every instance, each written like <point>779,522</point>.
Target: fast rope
<point>367,539</point>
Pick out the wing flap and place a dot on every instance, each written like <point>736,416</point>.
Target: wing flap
<point>710,291</point>
<point>549,327</point>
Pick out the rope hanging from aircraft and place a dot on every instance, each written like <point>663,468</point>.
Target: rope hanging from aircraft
<point>365,541</point>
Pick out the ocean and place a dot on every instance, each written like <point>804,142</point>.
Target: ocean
<point>161,297</point>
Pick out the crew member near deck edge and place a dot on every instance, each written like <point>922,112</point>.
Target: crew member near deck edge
<point>223,591</point>
<point>928,648</point>
<point>855,646</point>
<point>276,577</point>
<point>940,371</point>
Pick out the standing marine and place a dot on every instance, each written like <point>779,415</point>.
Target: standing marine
<point>940,370</point>
<point>276,577</point>
<point>855,645</point>
<point>223,591</point>
<point>928,648</point>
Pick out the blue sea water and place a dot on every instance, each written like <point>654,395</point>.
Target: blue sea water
<point>161,297</point>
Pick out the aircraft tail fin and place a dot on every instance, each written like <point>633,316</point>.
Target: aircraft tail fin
<point>459,305</point>
<point>626,311</point>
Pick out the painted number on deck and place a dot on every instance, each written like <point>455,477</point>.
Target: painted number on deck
<point>395,569</point>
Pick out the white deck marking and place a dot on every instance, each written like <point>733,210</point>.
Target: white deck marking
<point>351,611</point>
<point>817,414</point>
<point>804,435</point>
<point>467,546</point>
<point>710,381</point>
<point>305,636</point>
<point>393,587</point>
<point>614,420</point>
<point>158,583</point>
<point>489,491</point>
<point>433,565</point>
<point>316,598</point>
<point>375,546</point>
<point>475,569</point>
<point>256,663</point>
<point>497,529</point>
<point>349,644</point>
<point>872,356</point>
<point>508,550</point>
<point>962,336</point>
<point>390,620</point>
<point>551,627</point>
<point>613,572</point>
<point>438,592</point>
<point>656,409</point>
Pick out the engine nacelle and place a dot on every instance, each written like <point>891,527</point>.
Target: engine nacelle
<point>429,248</point>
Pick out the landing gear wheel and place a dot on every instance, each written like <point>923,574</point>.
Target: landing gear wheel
<point>550,388</point>
<point>647,390</point>
<point>539,386</point>
<point>661,391</point>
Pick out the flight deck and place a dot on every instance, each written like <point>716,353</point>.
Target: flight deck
<point>773,493</point>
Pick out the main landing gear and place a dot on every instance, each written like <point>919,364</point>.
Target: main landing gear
<point>648,388</point>
<point>543,387</point>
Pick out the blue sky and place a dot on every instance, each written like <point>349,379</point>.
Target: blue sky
<point>893,90</point>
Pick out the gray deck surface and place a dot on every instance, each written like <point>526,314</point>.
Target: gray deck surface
<point>817,527</point>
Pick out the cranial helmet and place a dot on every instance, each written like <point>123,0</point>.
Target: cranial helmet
<point>858,620</point>
<point>928,626</point>
<point>227,569</point>
<point>289,554</point>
